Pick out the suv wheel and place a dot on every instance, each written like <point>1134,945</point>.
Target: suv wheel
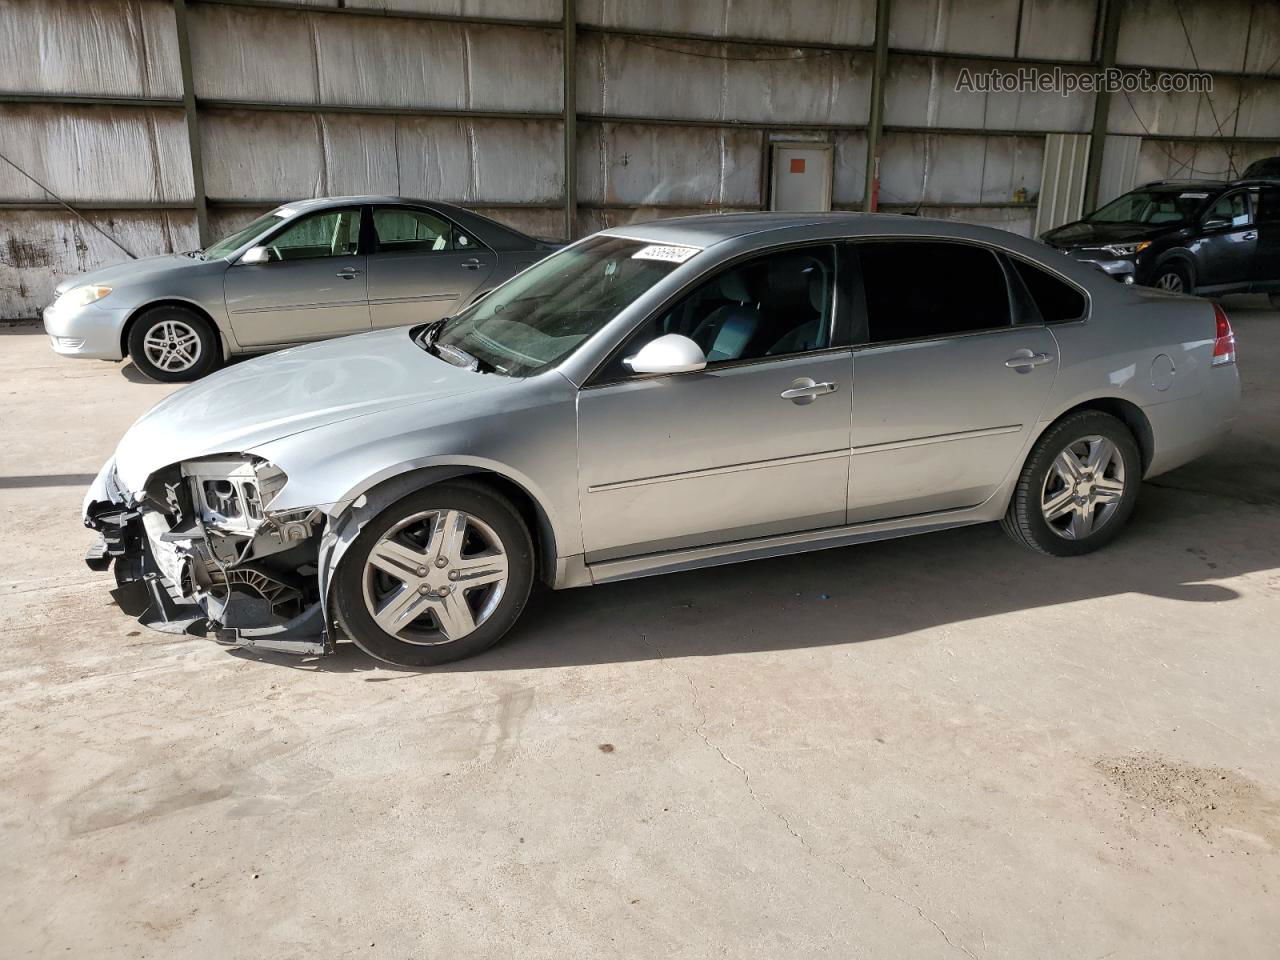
<point>440,575</point>
<point>172,345</point>
<point>1077,488</point>
<point>1172,277</point>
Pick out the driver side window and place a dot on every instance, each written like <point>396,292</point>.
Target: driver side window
<point>1234,207</point>
<point>328,233</point>
<point>770,306</point>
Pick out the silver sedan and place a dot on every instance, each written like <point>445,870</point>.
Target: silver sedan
<point>305,271</point>
<point>654,398</point>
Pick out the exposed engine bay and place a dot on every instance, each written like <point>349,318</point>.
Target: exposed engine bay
<point>199,551</point>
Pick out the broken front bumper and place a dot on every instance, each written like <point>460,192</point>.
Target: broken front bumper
<point>152,564</point>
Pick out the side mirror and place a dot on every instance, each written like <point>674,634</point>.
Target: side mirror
<point>671,353</point>
<point>256,255</point>
<point>1216,223</point>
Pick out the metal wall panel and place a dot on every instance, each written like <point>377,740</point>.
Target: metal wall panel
<point>95,153</point>
<point>1174,159</point>
<point>1119,167</point>
<point>921,92</point>
<point>638,164</point>
<point>849,178</point>
<point>1019,220</point>
<point>279,155</point>
<point>495,9</point>
<point>39,248</point>
<point>955,26</point>
<point>289,57</point>
<point>119,48</point>
<point>958,168</point>
<point>1057,29</point>
<point>673,78</point>
<point>1061,195</point>
<point>1152,33</point>
<point>850,22</point>
<point>591,219</point>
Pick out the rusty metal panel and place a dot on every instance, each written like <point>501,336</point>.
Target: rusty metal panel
<point>1182,160</point>
<point>494,9</point>
<point>278,155</point>
<point>850,22</point>
<point>849,179</point>
<point>95,153</point>
<point>1152,34</point>
<point>639,164</point>
<point>682,79</point>
<point>103,48</point>
<point>289,57</point>
<point>544,222</point>
<point>955,26</point>
<point>921,92</point>
<point>959,168</point>
<point>40,248</point>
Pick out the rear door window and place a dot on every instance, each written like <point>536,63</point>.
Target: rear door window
<point>1057,300</point>
<point>926,289</point>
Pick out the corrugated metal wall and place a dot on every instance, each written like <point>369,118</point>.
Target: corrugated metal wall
<point>676,105</point>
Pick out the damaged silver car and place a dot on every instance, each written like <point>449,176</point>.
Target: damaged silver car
<point>654,398</point>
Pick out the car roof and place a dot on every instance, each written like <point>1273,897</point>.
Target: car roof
<point>705,229</point>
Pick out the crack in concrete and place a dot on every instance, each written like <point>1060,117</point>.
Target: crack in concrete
<point>700,732</point>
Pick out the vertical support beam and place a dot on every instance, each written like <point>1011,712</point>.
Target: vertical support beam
<point>193,121</point>
<point>570,47</point>
<point>1106,33</point>
<point>875,116</point>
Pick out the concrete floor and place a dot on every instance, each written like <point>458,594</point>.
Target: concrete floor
<point>939,746</point>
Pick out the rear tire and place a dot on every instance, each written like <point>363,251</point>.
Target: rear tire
<point>172,344</point>
<point>440,575</point>
<point>1077,488</point>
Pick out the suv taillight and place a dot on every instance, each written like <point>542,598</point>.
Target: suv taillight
<point>1224,338</point>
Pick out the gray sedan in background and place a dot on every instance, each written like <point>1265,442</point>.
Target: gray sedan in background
<point>305,271</point>
<point>654,398</point>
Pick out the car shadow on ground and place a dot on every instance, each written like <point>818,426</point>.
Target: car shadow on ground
<point>856,594</point>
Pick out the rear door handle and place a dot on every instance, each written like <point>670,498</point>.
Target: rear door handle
<point>805,391</point>
<point>472,264</point>
<point>1027,361</point>
<point>1251,235</point>
<point>349,273</point>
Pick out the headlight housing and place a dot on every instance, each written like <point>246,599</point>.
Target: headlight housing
<point>83,296</point>
<point>231,494</point>
<point>1127,249</point>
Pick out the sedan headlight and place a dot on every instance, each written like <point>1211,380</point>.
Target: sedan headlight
<point>232,493</point>
<point>82,296</point>
<point>1127,249</point>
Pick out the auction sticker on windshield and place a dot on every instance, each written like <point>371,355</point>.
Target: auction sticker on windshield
<point>671,254</point>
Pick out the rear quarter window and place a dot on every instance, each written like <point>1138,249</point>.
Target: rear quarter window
<point>1057,300</point>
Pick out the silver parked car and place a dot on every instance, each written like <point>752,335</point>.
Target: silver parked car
<point>654,398</point>
<point>305,271</point>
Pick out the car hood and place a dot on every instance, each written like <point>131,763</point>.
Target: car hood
<point>1082,233</point>
<point>132,271</point>
<point>271,397</point>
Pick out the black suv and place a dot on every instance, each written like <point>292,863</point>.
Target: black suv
<point>1188,236</point>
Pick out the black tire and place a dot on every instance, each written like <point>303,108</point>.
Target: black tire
<point>481,503</point>
<point>1275,300</point>
<point>1173,277</point>
<point>1025,520</point>
<point>201,338</point>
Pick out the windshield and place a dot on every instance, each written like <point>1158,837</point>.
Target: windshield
<point>1151,206</point>
<point>542,315</point>
<point>243,235</point>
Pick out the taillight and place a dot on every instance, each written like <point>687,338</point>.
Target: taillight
<point>1224,338</point>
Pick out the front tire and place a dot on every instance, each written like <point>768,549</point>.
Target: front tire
<point>1077,488</point>
<point>1173,278</point>
<point>172,344</point>
<point>440,575</point>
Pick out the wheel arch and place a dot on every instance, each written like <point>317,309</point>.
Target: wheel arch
<point>1184,258</point>
<point>191,305</point>
<point>1128,413</point>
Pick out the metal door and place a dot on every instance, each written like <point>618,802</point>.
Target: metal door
<point>714,456</point>
<point>801,176</point>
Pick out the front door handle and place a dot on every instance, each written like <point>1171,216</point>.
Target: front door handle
<point>1028,360</point>
<point>805,391</point>
<point>1251,235</point>
<point>349,273</point>
<point>472,264</point>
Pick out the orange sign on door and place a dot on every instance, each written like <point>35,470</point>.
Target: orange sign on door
<point>797,164</point>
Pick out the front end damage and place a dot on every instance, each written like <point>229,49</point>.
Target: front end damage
<point>199,551</point>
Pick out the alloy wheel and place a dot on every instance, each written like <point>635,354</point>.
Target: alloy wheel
<point>435,577</point>
<point>1083,487</point>
<point>172,346</point>
<point>1170,281</point>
